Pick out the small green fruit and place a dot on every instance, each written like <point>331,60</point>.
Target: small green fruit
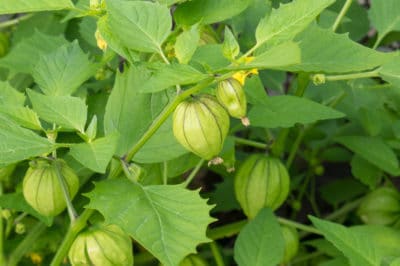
<point>193,260</point>
<point>291,239</point>
<point>380,207</point>
<point>261,181</point>
<point>201,124</point>
<point>42,189</point>
<point>231,95</point>
<point>101,246</point>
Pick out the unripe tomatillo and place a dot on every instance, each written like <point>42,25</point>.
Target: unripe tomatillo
<point>380,207</point>
<point>201,124</point>
<point>261,181</point>
<point>101,246</point>
<point>42,189</point>
<point>291,239</point>
<point>231,95</point>
<point>193,260</point>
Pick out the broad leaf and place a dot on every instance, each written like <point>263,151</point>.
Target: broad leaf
<point>31,48</point>
<point>260,242</point>
<point>230,47</point>
<point>186,44</point>
<point>318,54</point>
<point>366,172</point>
<point>65,111</point>
<point>22,115</point>
<point>18,144</point>
<point>21,6</point>
<point>169,221</point>
<point>284,23</point>
<point>97,154</point>
<point>208,11</point>
<point>141,26</point>
<point>62,71</point>
<point>355,246</point>
<point>385,16</point>
<point>374,150</point>
<point>286,111</point>
<point>163,76</point>
<point>390,71</point>
<point>10,96</point>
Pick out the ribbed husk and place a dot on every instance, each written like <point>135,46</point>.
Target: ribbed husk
<point>291,239</point>
<point>193,260</point>
<point>42,189</point>
<point>101,246</point>
<point>231,95</point>
<point>201,124</point>
<point>261,181</point>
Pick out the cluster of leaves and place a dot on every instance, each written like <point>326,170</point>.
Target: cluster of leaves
<point>330,101</point>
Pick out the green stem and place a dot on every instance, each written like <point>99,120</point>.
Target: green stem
<point>295,148</point>
<point>307,257</point>
<point>227,230</point>
<point>278,147</point>
<point>251,143</point>
<point>342,13</point>
<point>73,231</point>
<point>370,74</point>
<point>344,209</point>
<point>193,173</point>
<point>26,244</point>
<point>217,254</point>
<point>299,226</point>
<point>12,22</point>
<point>2,259</point>
<point>165,173</point>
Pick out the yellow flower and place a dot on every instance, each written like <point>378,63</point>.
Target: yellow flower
<point>36,258</point>
<point>243,74</point>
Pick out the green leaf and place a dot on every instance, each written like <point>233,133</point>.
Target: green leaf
<point>186,44</point>
<point>319,55</point>
<point>17,202</point>
<point>260,242</point>
<point>97,154</point>
<point>356,247</point>
<point>210,56</point>
<point>385,16</point>
<point>168,220</point>
<point>62,71</point>
<point>366,172</point>
<point>18,144</point>
<point>23,116</point>
<point>284,23</point>
<point>230,47</point>
<point>390,71</point>
<point>208,11</point>
<point>21,6</point>
<point>163,76</point>
<point>31,48</point>
<point>141,26</point>
<point>10,96</point>
<point>374,150</point>
<point>286,111</point>
<point>65,111</point>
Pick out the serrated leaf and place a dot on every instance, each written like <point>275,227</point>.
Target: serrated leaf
<point>97,154</point>
<point>18,144</point>
<point>374,150</point>
<point>17,202</point>
<point>66,111</point>
<point>10,96</point>
<point>161,218</point>
<point>230,47</point>
<point>141,26</point>
<point>356,247</point>
<point>163,76</point>
<point>385,16</point>
<point>62,71</point>
<point>31,48</point>
<point>286,111</point>
<point>186,44</point>
<point>284,23</point>
<point>208,11</point>
<point>23,116</point>
<point>319,55</point>
<point>260,242</point>
<point>21,6</point>
<point>390,71</point>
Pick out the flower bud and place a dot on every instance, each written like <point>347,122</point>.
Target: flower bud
<point>193,260</point>
<point>42,189</point>
<point>201,124</point>
<point>380,207</point>
<point>261,181</point>
<point>101,246</point>
<point>291,239</point>
<point>101,43</point>
<point>231,95</point>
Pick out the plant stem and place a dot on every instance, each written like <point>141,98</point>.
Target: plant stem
<point>307,257</point>
<point>294,148</point>
<point>251,143</point>
<point>26,244</point>
<point>2,238</point>
<point>227,230</point>
<point>343,12</point>
<point>348,207</point>
<point>12,22</point>
<point>299,226</point>
<point>165,173</point>
<point>193,173</point>
<point>370,74</point>
<point>217,254</point>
